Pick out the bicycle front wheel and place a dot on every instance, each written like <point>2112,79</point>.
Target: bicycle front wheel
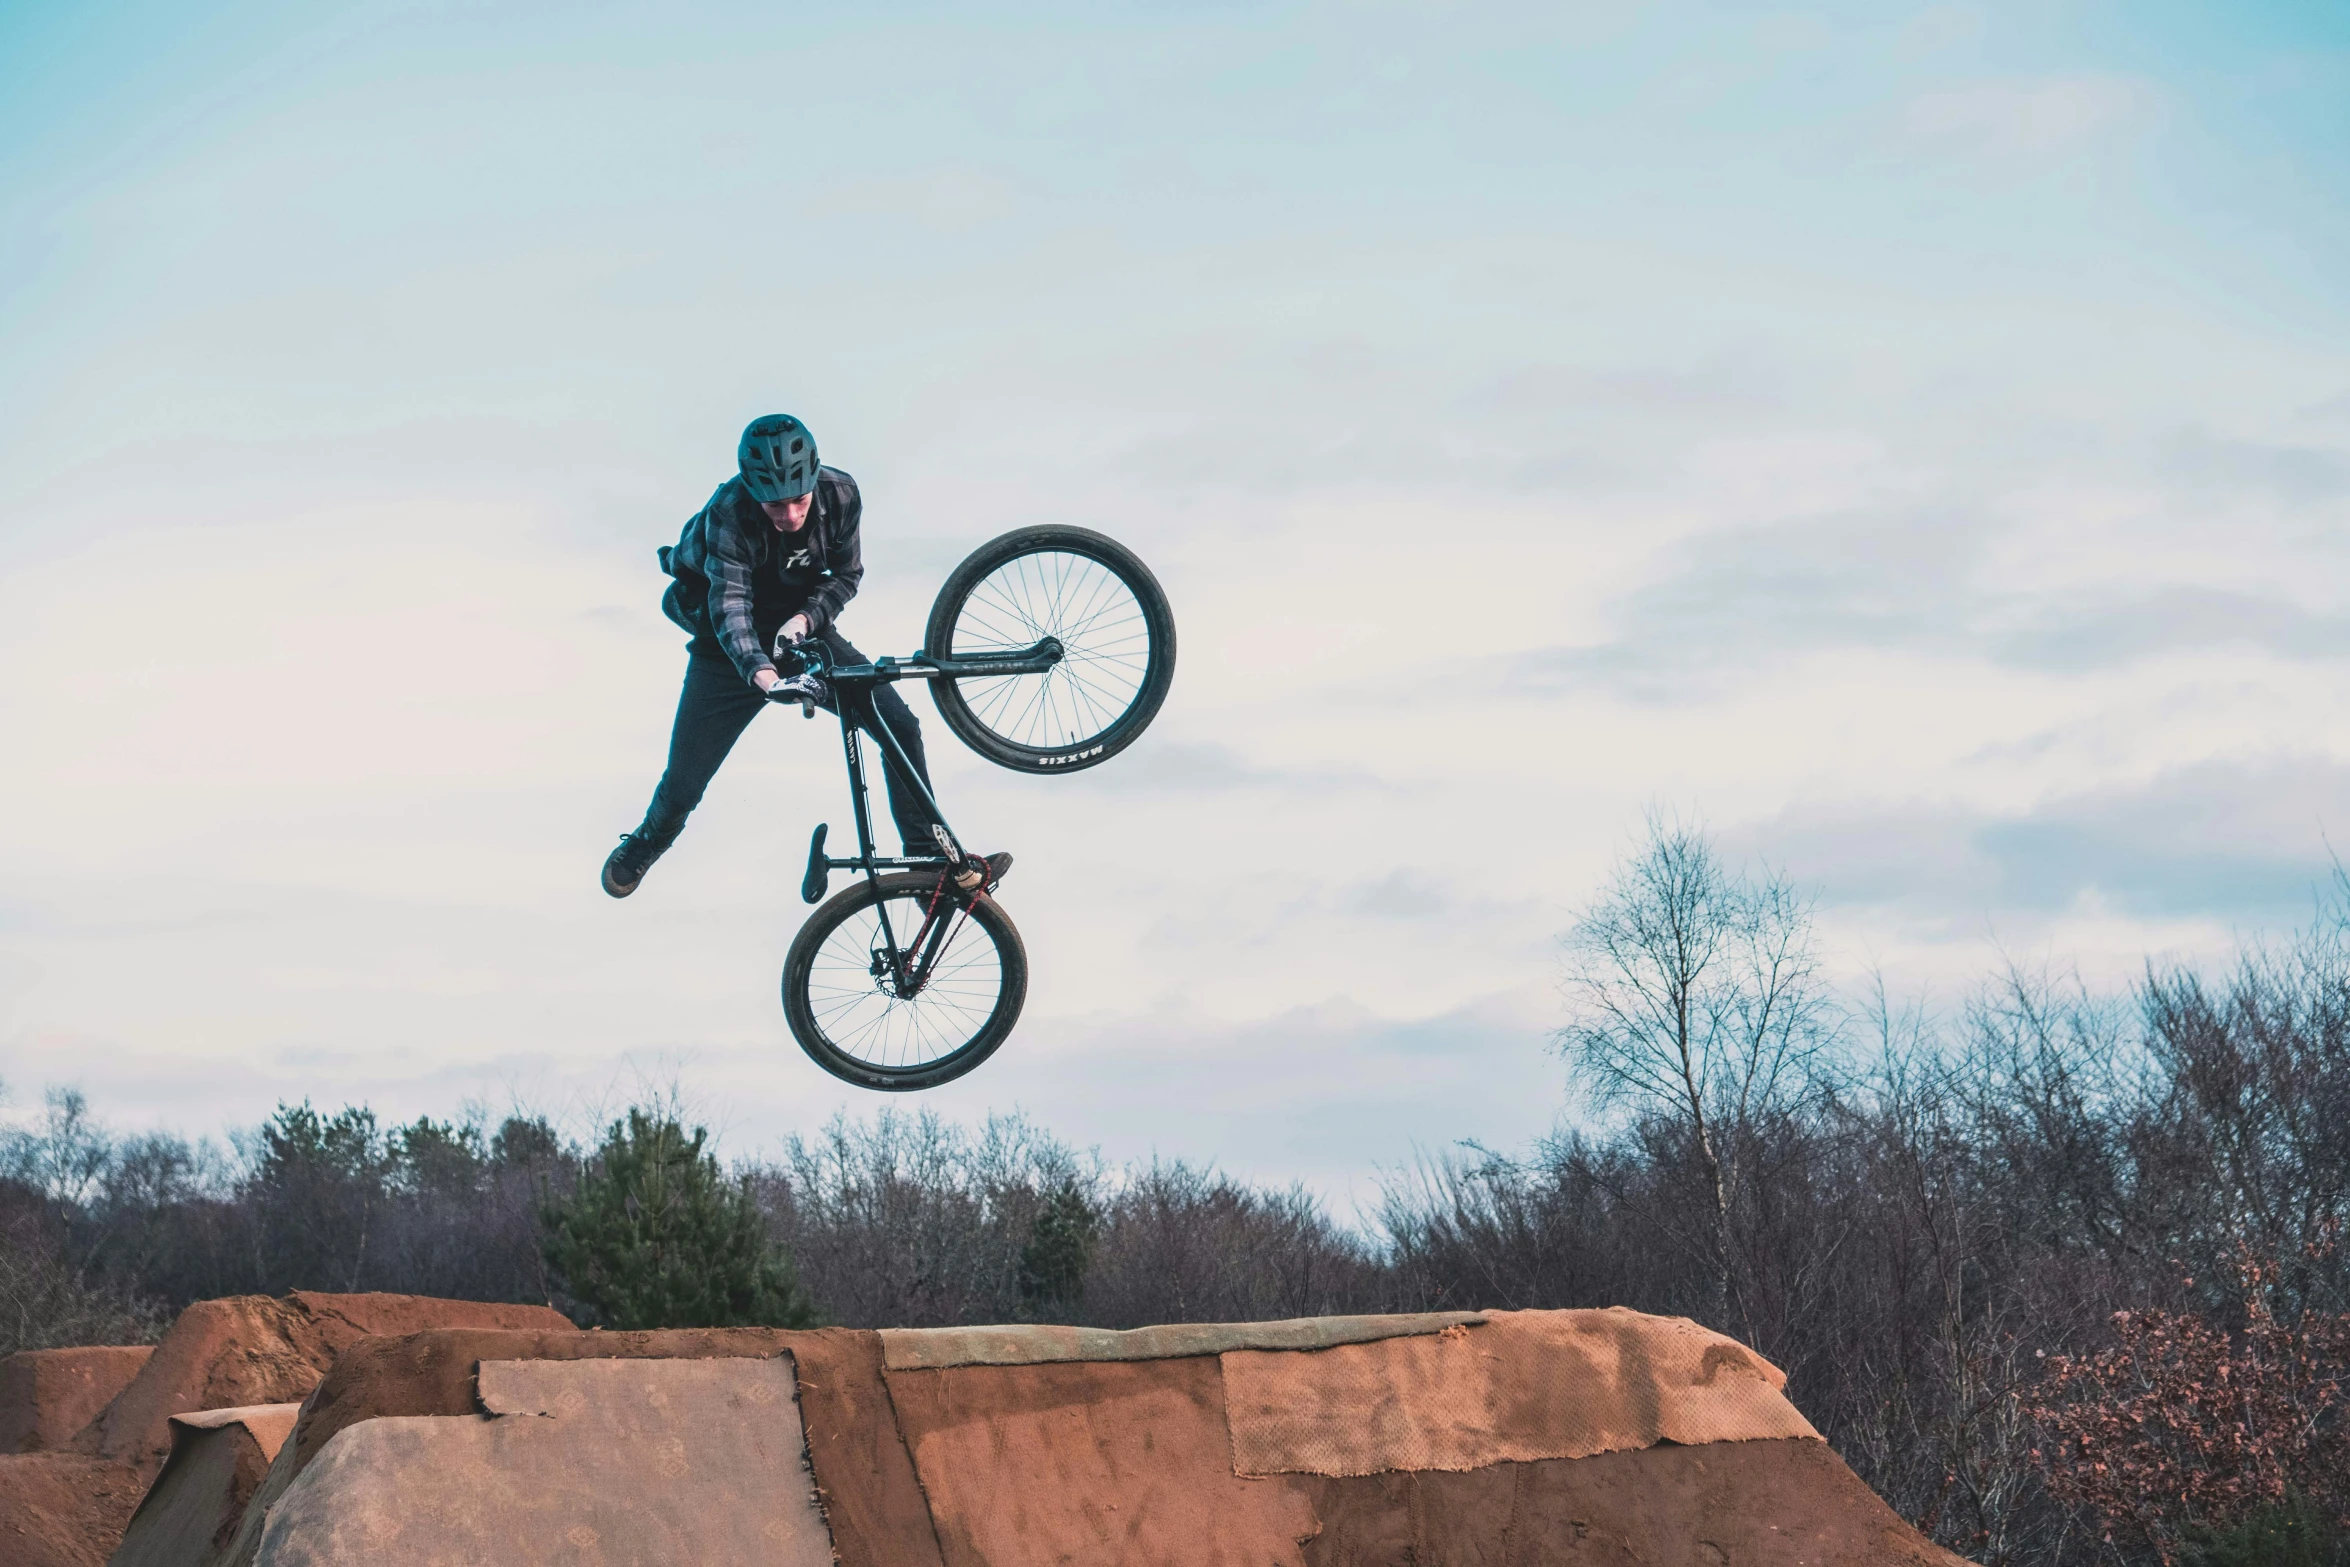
<point>1117,639</point>
<point>847,1008</point>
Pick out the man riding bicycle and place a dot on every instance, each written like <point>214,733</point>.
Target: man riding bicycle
<point>771,561</point>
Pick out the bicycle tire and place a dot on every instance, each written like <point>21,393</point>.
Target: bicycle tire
<point>1119,654</point>
<point>819,1001</point>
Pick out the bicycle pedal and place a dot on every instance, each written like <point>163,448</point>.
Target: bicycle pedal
<point>819,874</point>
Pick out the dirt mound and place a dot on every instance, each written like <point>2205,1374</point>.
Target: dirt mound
<point>48,1395</point>
<point>1527,1437</point>
<point>62,1509</point>
<point>1006,1448</point>
<point>259,1349</point>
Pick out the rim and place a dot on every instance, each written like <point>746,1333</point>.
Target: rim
<point>1105,649</point>
<point>870,1025</point>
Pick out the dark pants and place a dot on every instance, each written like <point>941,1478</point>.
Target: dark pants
<point>718,704</point>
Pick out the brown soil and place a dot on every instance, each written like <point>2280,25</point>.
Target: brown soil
<point>1091,1462</point>
<point>864,1475</point>
<point>48,1395</point>
<point>62,1509</point>
<point>258,1349</point>
<point>1786,1503</point>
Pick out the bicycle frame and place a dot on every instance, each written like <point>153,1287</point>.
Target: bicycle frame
<point>852,698</point>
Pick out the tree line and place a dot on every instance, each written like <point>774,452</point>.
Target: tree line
<point>2056,1271</point>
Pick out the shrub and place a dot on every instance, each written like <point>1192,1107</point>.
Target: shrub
<point>655,1236</point>
<point>2290,1533</point>
<point>2182,1432</point>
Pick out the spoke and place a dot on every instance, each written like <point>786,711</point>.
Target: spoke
<point>1036,697</point>
<point>1002,639</point>
<point>997,694</point>
<point>1089,692</point>
<point>1109,587</point>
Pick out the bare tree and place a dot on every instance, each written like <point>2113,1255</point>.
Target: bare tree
<point>1696,998</point>
<point>65,1155</point>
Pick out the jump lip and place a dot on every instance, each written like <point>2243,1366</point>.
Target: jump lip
<point>1025,1344</point>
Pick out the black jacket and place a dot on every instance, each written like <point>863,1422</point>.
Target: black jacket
<point>731,554</point>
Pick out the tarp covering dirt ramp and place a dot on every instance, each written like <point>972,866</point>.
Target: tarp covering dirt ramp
<point>935,1349</point>
<point>870,1498</point>
<point>580,1461</point>
<point>219,1458</point>
<point>1524,1385</point>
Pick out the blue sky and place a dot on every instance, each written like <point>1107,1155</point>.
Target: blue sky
<point>1916,440</point>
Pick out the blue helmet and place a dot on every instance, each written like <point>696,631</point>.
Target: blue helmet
<point>778,458</point>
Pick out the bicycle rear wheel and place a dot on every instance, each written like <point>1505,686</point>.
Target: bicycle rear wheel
<point>844,1009</point>
<point>1117,639</point>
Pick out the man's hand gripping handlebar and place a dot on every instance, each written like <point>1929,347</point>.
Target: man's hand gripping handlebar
<point>807,686</point>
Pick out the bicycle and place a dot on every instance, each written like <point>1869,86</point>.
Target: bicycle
<point>1048,650</point>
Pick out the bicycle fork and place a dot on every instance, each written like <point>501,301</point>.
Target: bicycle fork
<point>909,968</point>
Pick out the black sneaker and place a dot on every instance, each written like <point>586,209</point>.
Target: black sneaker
<point>978,873</point>
<point>625,866</point>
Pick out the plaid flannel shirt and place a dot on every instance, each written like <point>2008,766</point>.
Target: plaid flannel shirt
<point>728,540</point>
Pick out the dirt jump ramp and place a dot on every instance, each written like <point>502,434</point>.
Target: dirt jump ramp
<point>263,1349</point>
<point>48,1395</point>
<point>100,1422</point>
<point>1592,1438</point>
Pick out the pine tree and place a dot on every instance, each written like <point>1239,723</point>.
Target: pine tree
<point>1053,1264</point>
<point>656,1236</point>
